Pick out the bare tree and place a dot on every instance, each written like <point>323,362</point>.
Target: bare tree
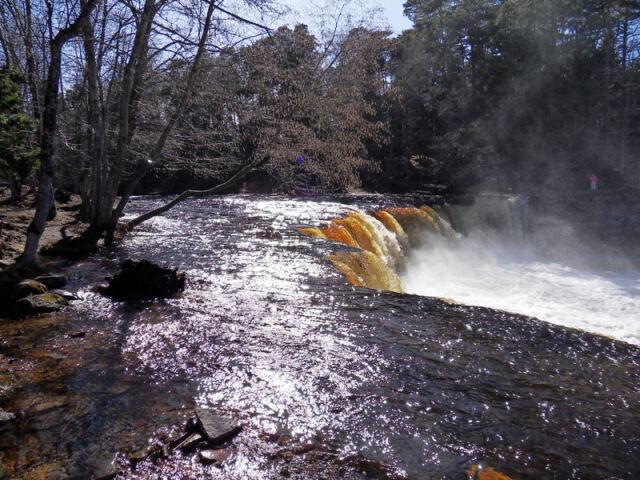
<point>45,201</point>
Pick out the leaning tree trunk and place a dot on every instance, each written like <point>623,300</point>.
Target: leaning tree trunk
<point>220,188</point>
<point>45,201</point>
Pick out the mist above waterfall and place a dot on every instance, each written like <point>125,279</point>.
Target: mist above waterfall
<point>534,265</point>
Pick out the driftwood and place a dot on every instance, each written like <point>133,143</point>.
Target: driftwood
<point>220,188</point>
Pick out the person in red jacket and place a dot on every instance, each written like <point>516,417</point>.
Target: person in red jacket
<point>593,180</point>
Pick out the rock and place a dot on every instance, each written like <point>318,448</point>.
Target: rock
<point>52,280</point>
<point>191,442</point>
<point>6,417</point>
<point>62,196</point>
<point>66,294</point>
<point>77,334</point>
<point>46,407</point>
<point>144,279</point>
<point>217,456</point>
<point>44,303</point>
<point>137,456</point>
<point>30,287</point>
<point>217,428</point>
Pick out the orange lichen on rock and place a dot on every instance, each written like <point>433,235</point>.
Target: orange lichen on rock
<point>477,472</point>
<point>364,269</point>
<point>339,234</point>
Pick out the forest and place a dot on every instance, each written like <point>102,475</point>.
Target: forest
<point>110,98</point>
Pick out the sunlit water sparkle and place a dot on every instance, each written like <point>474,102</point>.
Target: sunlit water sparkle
<point>268,330</point>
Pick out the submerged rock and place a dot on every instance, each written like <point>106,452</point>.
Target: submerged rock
<point>144,279</point>
<point>216,456</point>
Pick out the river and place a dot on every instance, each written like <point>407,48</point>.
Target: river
<point>268,329</point>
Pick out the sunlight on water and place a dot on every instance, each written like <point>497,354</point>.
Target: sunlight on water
<point>475,272</point>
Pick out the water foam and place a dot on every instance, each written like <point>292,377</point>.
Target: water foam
<point>475,271</point>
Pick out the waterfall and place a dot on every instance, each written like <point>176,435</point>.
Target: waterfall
<point>383,238</point>
<point>504,214</point>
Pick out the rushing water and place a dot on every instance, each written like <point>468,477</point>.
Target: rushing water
<point>267,328</point>
<point>476,270</point>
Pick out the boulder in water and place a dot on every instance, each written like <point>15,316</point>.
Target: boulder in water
<point>43,303</point>
<point>144,279</point>
<point>29,287</point>
<point>217,428</point>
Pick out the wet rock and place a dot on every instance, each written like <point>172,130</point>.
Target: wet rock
<point>191,442</point>
<point>137,456</point>
<point>105,471</point>
<point>6,417</point>
<point>47,406</point>
<point>52,281</point>
<point>30,287</point>
<point>65,294</point>
<point>144,279</point>
<point>44,303</point>
<point>12,291</point>
<point>216,456</point>
<point>217,428</point>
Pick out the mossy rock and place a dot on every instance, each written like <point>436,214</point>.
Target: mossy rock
<point>31,287</point>
<point>43,303</point>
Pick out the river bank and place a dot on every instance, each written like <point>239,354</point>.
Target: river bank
<point>15,219</point>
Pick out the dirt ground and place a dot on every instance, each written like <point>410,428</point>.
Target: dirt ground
<point>15,218</point>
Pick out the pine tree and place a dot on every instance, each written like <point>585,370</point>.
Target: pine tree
<point>18,156</point>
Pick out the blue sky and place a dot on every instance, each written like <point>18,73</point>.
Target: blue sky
<point>391,11</point>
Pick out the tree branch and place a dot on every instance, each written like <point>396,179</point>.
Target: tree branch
<point>220,188</point>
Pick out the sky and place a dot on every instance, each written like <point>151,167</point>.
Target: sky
<point>390,11</point>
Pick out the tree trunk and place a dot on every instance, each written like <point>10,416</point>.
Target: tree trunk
<point>183,97</point>
<point>16,189</point>
<point>45,202</point>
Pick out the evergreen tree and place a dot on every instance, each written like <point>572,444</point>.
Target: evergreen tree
<point>18,156</point>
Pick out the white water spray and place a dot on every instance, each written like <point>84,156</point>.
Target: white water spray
<point>499,268</point>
